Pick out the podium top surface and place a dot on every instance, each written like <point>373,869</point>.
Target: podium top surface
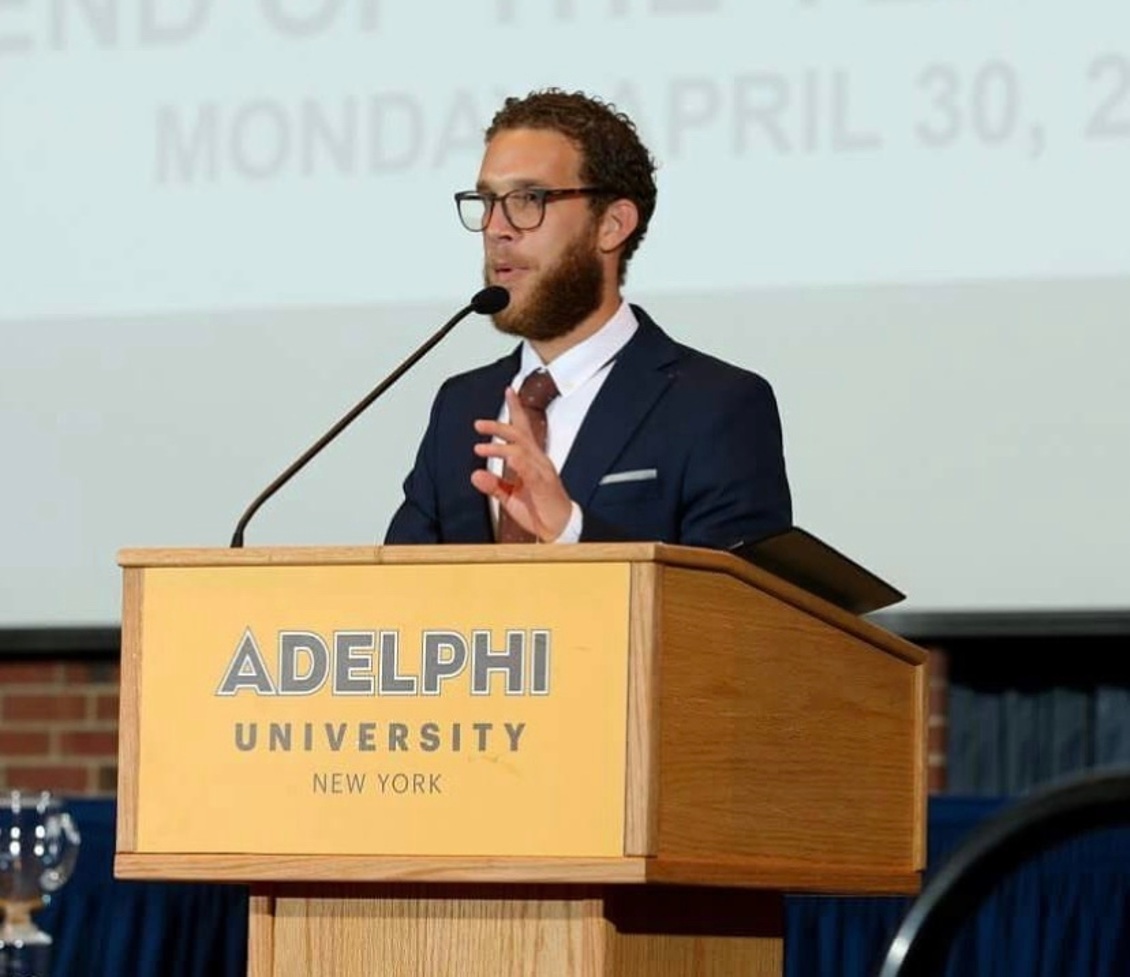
<point>665,554</point>
<point>444,553</point>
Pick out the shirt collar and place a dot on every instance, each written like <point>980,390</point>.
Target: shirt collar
<point>579,364</point>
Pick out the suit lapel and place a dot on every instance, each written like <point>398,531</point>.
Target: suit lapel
<point>637,380</point>
<point>484,400</point>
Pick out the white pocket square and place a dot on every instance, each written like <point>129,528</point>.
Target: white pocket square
<point>639,475</point>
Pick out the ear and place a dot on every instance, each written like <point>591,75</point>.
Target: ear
<point>617,223</point>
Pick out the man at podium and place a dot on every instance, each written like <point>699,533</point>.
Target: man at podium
<point>599,426</point>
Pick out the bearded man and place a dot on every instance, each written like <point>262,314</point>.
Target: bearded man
<point>599,426</point>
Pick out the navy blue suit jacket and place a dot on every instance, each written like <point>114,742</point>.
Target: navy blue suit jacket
<point>710,431</point>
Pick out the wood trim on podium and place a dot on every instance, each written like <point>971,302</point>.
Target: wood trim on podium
<point>378,868</point>
<point>642,779</point>
<point>763,873</point>
<point>781,876</point>
<point>921,773</point>
<point>129,709</point>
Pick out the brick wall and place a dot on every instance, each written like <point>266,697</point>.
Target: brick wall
<point>59,726</point>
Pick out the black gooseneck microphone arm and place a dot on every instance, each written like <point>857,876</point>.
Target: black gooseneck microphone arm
<point>488,301</point>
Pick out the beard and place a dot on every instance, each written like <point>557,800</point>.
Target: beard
<point>567,294</point>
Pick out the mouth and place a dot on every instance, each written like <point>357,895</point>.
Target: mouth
<point>505,272</point>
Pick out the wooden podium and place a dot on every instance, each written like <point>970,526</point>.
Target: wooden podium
<point>488,761</point>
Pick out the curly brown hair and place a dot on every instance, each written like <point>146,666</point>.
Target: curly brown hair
<point>612,155</point>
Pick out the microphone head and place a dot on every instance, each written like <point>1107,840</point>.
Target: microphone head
<point>492,299</point>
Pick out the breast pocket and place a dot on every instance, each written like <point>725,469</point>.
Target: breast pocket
<point>622,488</point>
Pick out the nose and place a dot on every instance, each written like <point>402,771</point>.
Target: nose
<point>498,227</point>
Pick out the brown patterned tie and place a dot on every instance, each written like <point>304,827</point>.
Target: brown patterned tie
<point>536,392</point>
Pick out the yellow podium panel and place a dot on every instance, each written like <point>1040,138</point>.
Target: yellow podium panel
<point>384,710</point>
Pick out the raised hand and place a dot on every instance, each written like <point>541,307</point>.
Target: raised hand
<point>532,493</point>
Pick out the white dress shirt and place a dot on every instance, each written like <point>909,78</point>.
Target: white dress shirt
<point>579,373</point>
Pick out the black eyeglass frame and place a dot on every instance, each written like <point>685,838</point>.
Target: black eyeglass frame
<point>543,195</point>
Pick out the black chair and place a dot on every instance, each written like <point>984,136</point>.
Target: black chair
<point>1029,827</point>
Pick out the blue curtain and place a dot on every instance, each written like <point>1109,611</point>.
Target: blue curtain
<point>1066,914</point>
<point>104,927</point>
<point>1063,914</point>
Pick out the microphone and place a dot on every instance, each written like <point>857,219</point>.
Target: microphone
<point>487,301</point>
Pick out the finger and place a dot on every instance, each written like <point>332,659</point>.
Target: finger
<point>505,432</point>
<point>507,487</point>
<point>497,429</point>
<point>495,486</point>
<point>498,449</point>
<point>518,416</point>
<point>486,482</point>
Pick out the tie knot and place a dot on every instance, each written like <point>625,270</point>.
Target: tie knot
<point>537,390</point>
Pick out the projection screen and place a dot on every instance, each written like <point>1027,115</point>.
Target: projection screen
<point>222,224</point>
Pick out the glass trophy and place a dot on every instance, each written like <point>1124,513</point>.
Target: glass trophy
<point>38,847</point>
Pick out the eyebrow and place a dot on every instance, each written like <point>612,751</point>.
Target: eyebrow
<point>524,184</point>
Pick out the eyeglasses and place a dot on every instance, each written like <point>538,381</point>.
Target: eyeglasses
<point>524,208</point>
